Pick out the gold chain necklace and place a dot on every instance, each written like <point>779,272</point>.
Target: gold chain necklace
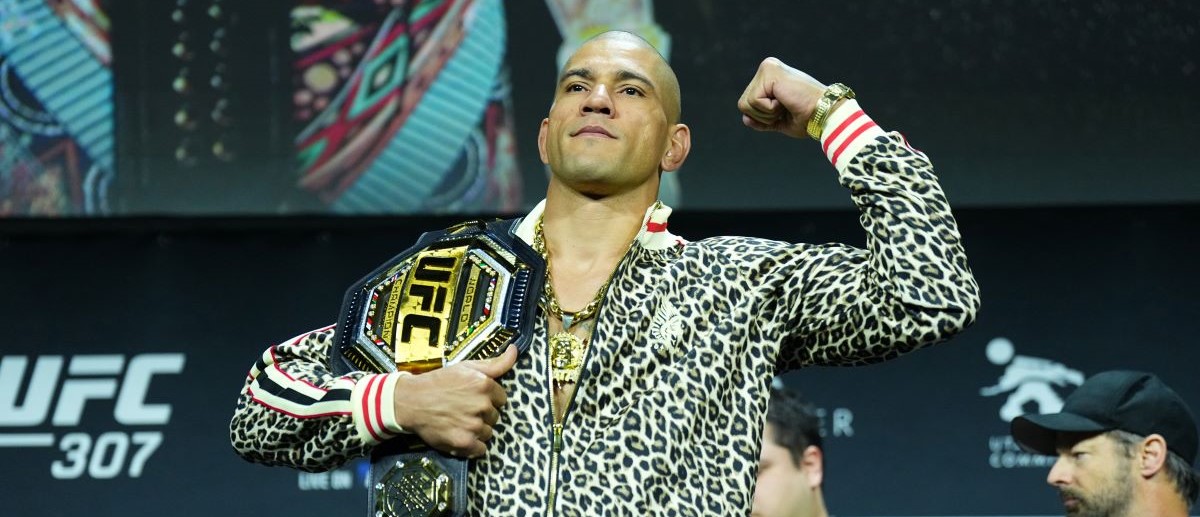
<point>567,351</point>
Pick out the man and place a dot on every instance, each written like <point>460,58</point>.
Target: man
<point>1125,443</point>
<point>645,385</point>
<point>791,466</point>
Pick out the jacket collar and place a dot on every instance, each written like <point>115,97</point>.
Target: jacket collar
<point>652,236</point>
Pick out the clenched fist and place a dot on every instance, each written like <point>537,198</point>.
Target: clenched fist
<point>780,98</point>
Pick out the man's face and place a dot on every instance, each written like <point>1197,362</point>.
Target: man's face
<point>610,126</point>
<point>1093,474</point>
<point>783,489</point>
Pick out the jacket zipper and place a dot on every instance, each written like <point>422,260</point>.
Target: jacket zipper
<point>555,440</point>
<point>555,449</point>
<point>556,443</point>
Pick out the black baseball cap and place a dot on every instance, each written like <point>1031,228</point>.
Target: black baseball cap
<point>1135,402</point>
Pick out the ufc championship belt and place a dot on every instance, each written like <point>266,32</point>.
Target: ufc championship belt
<point>462,293</point>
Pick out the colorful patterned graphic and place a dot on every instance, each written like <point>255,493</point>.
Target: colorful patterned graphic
<point>405,108</point>
<point>56,123</point>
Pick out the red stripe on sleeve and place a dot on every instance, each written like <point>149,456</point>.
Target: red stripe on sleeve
<point>275,365</point>
<point>278,409</point>
<point>379,405</point>
<point>841,127</point>
<point>849,139</point>
<point>367,411</point>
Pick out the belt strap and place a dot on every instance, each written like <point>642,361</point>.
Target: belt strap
<point>458,294</point>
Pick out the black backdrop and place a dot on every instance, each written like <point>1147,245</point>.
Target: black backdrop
<point>1070,289</point>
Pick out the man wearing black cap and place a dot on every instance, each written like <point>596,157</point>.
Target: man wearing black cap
<point>1125,443</point>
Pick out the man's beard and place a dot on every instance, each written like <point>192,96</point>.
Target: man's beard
<point>1110,500</point>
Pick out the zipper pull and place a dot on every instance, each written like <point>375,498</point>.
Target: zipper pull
<point>558,442</point>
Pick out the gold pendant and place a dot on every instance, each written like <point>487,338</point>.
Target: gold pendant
<point>566,357</point>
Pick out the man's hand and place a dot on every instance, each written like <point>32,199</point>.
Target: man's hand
<point>780,98</point>
<point>454,408</point>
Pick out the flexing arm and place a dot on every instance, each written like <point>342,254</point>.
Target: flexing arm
<point>911,287</point>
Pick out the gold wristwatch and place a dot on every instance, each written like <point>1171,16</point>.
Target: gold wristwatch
<point>832,94</point>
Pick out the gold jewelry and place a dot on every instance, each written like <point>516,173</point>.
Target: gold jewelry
<point>568,319</point>
<point>832,94</point>
<point>567,351</point>
<point>566,357</point>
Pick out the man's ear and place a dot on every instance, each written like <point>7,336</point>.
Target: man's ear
<point>1152,456</point>
<point>678,148</point>
<point>813,463</point>
<point>543,132</point>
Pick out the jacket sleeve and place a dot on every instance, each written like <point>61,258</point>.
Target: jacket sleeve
<point>292,411</point>
<point>911,286</point>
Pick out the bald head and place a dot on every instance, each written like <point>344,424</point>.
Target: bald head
<point>662,75</point>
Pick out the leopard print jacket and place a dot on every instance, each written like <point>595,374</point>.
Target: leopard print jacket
<point>668,414</point>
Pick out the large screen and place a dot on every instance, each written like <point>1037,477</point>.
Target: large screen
<point>214,107</point>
